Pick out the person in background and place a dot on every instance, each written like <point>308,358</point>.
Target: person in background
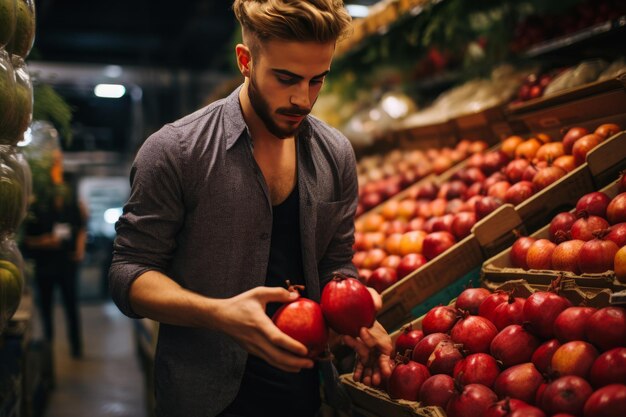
<point>55,238</point>
<point>229,202</point>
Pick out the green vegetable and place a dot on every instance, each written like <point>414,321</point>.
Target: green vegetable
<point>24,34</point>
<point>7,20</point>
<point>11,205</point>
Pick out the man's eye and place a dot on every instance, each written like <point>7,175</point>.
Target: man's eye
<point>317,81</point>
<point>287,81</point>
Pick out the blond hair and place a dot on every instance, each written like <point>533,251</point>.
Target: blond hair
<point>292,20</point>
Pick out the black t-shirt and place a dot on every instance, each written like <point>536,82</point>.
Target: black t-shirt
<point>66,220</point>
<point>265,390</point>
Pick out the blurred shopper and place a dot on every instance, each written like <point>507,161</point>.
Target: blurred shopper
<point>225,205</point>
<point>55,237</point>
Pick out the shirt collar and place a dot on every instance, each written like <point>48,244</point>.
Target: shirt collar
<point>235,125</point>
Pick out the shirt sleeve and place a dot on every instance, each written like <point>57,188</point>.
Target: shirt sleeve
<point>152,217</point>
<point>338,256</point>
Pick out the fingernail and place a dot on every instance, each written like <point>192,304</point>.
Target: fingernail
<point>293,295</point>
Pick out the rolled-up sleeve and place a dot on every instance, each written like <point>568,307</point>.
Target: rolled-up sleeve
<point>152,217</point>
<point>338,256</point>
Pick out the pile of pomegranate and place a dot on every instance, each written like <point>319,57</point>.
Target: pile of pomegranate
<point>402,235</point>
<point>589,239</point>
<point>381,177</point>
<point>494,354</point>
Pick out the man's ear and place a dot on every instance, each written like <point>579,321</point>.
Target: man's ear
<point>243,59</point>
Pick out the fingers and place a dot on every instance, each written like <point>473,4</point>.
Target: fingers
<point>281,359</point>
<point>283,341</point>
<point>359,347</point>
<point>274,295</point>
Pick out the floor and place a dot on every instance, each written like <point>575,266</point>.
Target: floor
<point>107,381</point>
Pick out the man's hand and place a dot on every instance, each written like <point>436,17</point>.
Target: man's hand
<point>373,348</point>
<point>243,318</point>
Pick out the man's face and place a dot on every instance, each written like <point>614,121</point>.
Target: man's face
<point>285,80</point>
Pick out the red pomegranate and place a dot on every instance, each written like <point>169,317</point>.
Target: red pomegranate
<point>514,345</point>
<point>519,381</point>
<point>444,358</point>
<point>489,304</point>
<point>470,401</point>
<point>426,346</point>
<point>471,298</point>
<point>303,320</point>
<point>567,394</point>
<point>609,401</point>
<point>570,324</point>
<point>347,305</point>
<point>477,368</point>
<point>609,368</point>
<point>474,332</point>
<point>541,309</point>
<point>542,357</point>
<point>437,390</point>
<point>406,380</point>
<point>408,338</point>
<point>439,319</point>
<point>606,328</point>
<point>509,312</point>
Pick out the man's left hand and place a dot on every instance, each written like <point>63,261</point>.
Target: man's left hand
<point>373,348</point>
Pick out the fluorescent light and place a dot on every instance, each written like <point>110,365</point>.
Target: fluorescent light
<point>109,90</point>
<point>111,215</point>
<point>113,71</point>
<point>357,10</point>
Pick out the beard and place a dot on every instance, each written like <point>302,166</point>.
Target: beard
<point>262,109</point>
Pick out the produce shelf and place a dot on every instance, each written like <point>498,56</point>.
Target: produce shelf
<point>596,31</point>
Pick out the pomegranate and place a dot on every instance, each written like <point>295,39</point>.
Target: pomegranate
<point>508,407</point>
<point>493,178</point>
<point>494,161</point>
<point>582,147</point>
<point>609,368</point>
<point>567,394</point>
<point>437,243</point>
<point>608,401</point>
<point>303,320</point>
<point>452,189</point>
<point>539,255</point>
<point>619,264</point>
<point>542,357</point>
<point>499,190</point>
<point>594,203</point>
<point>409,263</point>
<point>471,298</point>
<point>617,233</point>
<point>566,162</point>
<point>442,223</point>
<point>490,303</point>
<point>477,368</point>
<point>607,130</point>
<point>528,149</point>
<point>444,358</point>
<point>572,136</point>
<point>486,205</point>
<point>519,251</point>
<point>514,345</point>
<point>586,225</point>
<point>561,222</point>
<point>606,328</point>
<point>519,381</point>
<point>439,319</point>
<point>436,391</point>
<point>408,338</point>
<point>550,151</point>
<point>616,210</point>
<point>406,379</point>
<point>509,312</point>
<point>519,192</point>
<point>597,255</point>
<point>382,278</point>
<point>566,254</point>
<point>509,144</point>
<point>474,332</point>
<point>574,358</point>
<point>472,400</point>
<point>541,309</point>
<point>546,176</point>
<point>426,346</point>
<point>347,305</point>
<point>570,324</point>
<point>515,169</point>
<point>462,224</point>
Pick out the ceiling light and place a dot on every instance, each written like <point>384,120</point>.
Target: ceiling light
<point>109,90</point>
<point>357,10</point>
<point>113,71</point>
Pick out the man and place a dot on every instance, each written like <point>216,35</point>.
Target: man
<point>229,202</point>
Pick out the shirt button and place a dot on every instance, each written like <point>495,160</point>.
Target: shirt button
<point>264,236</point>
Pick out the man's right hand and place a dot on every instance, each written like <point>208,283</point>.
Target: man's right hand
<point>243,318</point>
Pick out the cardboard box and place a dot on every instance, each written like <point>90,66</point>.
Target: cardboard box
<point>594,289</point>
<point>378,403</point>
<point>479,125</point>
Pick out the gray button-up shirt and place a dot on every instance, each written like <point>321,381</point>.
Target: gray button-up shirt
<point>200,212</point>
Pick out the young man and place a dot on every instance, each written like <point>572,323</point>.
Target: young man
<point>229,202</point>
